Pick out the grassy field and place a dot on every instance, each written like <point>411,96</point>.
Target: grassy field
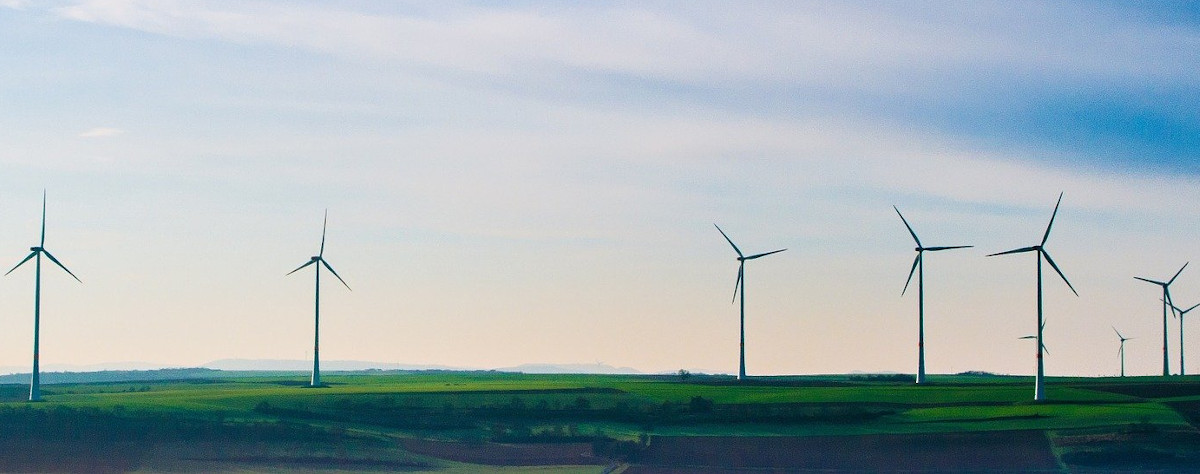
<point>465,421</point>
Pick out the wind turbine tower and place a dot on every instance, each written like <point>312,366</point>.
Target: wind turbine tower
<point>36,254</point>
<point>742,284</point>
<point>1166,300</point>
<point>918,266</point>
<point>1040,254</point>
<point>319,258</point>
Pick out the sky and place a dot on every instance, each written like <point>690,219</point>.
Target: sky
<point>537,182</point>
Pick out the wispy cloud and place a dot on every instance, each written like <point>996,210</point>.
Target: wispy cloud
<point>987,71</point>
<point>101,132</point>
<point>806,42</point>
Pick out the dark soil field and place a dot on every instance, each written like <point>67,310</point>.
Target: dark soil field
<point>502,454</point>
<point>1011,451</point>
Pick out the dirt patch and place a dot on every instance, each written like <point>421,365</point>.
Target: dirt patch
<point>31,455</point>
<point>1132,448</point>
<point>316,462</point>
<point>498,454</point>
<point>984,451</point>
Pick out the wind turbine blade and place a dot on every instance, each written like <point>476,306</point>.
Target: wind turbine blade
<point>1051,224</point>
<point>310,262</point>
<point>31,254</point>
<point>60,265</point>
<point>1175,311</point>
<point>1119,336</point>
<point>1044,349</point>
<point>323,224</point>
<point>1020,250</point>
<point>752,257</point>
<point>43,242</point>
<point>916,261</point>
<point>935,249</point>
<point>1027,337</point>
<point>1184,311</point>
<point>1159,283</point>
<point>323,262</point>
<point>1172,280</point>
<point>738,283</point>
<point>1060,273</point>
<point>727,239</point>
<point>910,229</point>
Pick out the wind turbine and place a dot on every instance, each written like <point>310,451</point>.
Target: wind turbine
<point>1040,249</point>
<point>1121,351</point>
<point>919,264</point>
<point>36,253</point>
<point>1042,327</point>
<point>1166,299</point>
<point>1181,313</point>
<point>319,258</point>
<point>742,284</point>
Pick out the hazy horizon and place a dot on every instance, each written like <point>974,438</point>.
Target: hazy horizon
<point>528,182</point>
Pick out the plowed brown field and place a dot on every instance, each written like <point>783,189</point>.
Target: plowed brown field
<point>1002,451</point>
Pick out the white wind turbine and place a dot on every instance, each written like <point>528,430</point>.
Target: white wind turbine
<point>1121,351</point>
<point>36,253</point>
<point>319,258</point>
<point>1040,250</point>
<point>1180,313</point>
<point>1166,301</point>
<point>742,284</point>
<point>918,266</point>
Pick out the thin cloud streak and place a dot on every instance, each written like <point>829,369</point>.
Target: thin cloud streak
<point>101,132</point>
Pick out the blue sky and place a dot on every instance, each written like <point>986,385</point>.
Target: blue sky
<point>537,182</point>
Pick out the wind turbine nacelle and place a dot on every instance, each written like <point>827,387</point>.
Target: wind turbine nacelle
<point>316,259</point>
<point>35,249</point>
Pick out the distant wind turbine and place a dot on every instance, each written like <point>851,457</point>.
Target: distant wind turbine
<point>36,252</point>
<point>1040,249</point>
<point>742,284</point>
<point>1180,314</point>
<point>1166,299</point>
<point>319,258</point>
<point>1040,329</point>
<point>1121,351</point>
<point>919,267</point>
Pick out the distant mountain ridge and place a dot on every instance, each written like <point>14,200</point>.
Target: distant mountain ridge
<point>142,371</point>
<point>303,365</point>
<point>596,368</point>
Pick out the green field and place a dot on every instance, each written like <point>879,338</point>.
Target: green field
<point>392,421</point>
